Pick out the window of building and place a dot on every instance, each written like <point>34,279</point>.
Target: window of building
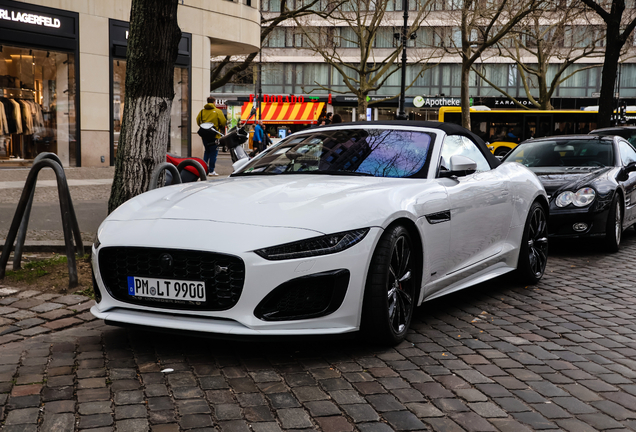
<point>37,113</point>
<point>348,38</point>
<point>384,37</point>
<point>178,115</point>
<point>270,5</point>
<point>276,39</point>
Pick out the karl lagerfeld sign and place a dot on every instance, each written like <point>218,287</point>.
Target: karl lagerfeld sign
<point>29,18</point>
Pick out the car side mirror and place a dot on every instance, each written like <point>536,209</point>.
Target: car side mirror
<point>240,164</point>
<point>462,166</point>
<point>623,174</point>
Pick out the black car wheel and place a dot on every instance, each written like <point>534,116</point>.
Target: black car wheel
<point>502,151</point>
<point>614,226</point>
<point>390,293</point>
<point>533,254</point>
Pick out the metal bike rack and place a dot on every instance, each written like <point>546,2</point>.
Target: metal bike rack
<point>22,213</point>
<point>176,177</point>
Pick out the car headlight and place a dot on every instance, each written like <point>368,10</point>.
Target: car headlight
<point>96,242</point>
<point>581,198</point>
<point>315,246</point>
<point>564,199</point>
<point>584,197</point>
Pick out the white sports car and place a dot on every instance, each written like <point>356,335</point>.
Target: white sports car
<point>332,230</point>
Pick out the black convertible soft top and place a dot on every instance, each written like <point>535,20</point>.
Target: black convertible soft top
<point>448,128</point>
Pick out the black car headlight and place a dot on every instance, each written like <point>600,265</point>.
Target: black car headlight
<point>96,242</point>
<point>583,197</point>
<point>315,246</point>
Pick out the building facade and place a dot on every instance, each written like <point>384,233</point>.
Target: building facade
<point>290,68</point>
<point>62,74</point>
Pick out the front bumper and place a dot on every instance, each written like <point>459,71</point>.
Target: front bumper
<point>561,222</point>
<point>261,278</point>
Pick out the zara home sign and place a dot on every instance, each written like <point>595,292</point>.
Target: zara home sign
<point>29,18</point>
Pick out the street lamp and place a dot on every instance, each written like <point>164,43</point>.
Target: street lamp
<point>260,69</point>
<point>401,113</point>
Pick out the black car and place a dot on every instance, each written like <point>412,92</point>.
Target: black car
<point>590,182</point>
<point>627,132</point>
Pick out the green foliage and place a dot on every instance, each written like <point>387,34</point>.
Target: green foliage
<point>88,292</point>
<point>35,269</point>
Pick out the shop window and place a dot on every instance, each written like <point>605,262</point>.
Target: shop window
<point>178,116</point>
<point>37,113</point>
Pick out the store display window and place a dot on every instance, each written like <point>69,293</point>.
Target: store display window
<point>179,114</point>
<point>37,109</point>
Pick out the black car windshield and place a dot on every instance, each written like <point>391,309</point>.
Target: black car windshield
<point>564,152</point>
<point>365,152</point>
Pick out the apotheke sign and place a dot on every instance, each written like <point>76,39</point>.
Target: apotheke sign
<point>441,101</point>
<point>29,18</point>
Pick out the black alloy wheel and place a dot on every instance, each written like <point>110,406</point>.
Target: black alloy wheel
<point>614,226</point>
<point>533,254</point>
<point>390,294</point>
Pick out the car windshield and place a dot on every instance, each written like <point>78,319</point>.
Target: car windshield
<point>364,152</point>
<point>563,152</point>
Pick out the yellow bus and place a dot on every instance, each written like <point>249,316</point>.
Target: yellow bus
<point>503,129</point>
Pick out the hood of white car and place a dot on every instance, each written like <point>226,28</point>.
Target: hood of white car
<point>298,201</point>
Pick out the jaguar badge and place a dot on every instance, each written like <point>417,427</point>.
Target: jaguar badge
<point>166,263</point>
<point>218,269</point>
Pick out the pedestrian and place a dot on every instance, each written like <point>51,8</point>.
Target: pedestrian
<point>258,140</point>
<point>328,118</point>
<point>211,115</point>
<point>336,119</point>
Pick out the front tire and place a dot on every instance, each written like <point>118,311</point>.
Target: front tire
<point>391,288</point>
<point>533,254</point>
<point>614,226</point>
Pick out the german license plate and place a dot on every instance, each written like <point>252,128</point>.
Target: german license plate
<point>168,289</point>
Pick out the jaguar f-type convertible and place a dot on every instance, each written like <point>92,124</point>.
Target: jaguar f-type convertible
<point>590,180</point>
<point>332,230</point>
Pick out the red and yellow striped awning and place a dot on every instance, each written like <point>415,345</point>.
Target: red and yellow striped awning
<point>285,112</point>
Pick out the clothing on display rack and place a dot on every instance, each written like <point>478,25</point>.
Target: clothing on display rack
<point>20,116</point>
<point>4,124</point>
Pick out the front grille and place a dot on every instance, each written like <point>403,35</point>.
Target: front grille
<point>223,275</point>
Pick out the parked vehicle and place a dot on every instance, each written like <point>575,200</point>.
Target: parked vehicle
<point>330,231</point>
<point>627,132</point>
<point>590,181</point>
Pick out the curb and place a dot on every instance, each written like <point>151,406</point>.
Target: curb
<point>57,246</point>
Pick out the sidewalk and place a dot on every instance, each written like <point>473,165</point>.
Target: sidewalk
<point>90,190</point>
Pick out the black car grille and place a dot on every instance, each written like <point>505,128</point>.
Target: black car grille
<point>223,275</point>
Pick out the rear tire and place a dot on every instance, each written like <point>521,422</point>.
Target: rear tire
<point>614,227</point>
<point>391,289</point>
<point>533,254</point>
<point>502,151</point>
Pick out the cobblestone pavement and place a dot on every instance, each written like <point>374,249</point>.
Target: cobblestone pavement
<point>498,357</point>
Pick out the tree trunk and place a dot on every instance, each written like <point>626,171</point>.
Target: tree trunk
<point>608,77</point>
<point>362,108</point>
<point>153,43</point>
<point>466,64</point>
<point>465,91</point>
